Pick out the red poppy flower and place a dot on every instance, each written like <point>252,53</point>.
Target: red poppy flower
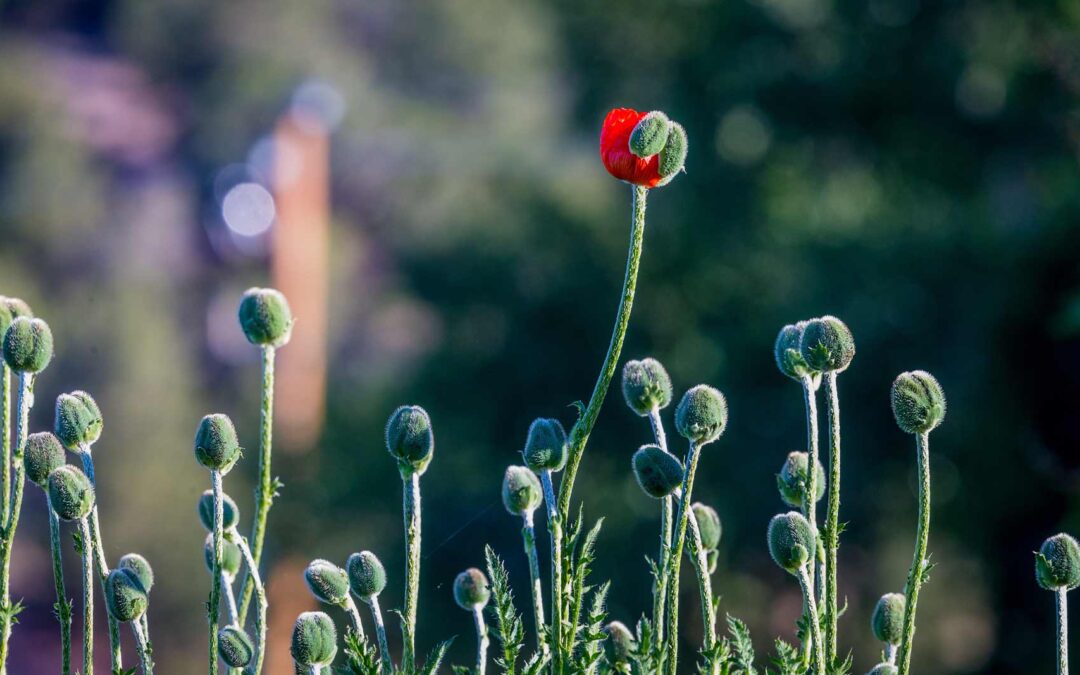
<point>615,150</point>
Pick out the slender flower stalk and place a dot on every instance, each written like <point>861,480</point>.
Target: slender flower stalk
<point>554,523</point>
<point>412,513</point>
<point>5,421</point>
<point>260,600</point>
<point>666,523</point>
<point>700,559</point>
<point>215,588</point>
<point>25,401</point>
<point>63,605</point>
<point>815,623</point>
<point>482,640</point>
<point>810,388</point>
<point>1062,631</point>
<point>471,592</point>
<point>354,616</point>
<point>265,494</point>
<point>675,557</point>
<point>98,547</point>
<point>230,597</point>
<point>142,645</point>
<point>917,573</point>
<point>832,523</point>
<point>88,597</point>
<point>528,537</point>
<point>380,631</point>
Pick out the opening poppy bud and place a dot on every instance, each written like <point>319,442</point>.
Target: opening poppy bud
<point>702,414</point>
<point>471,589</point>
<point>1057,564</point>
<point>230,514</point>
<point>71,493</point>
<point>887,621</point>
<point>367,576</point>
<point>44,454</point>
<point>883,669</point>
<point>645,385</point>
<point>650,134</point>
<point>140,568</point>
<point>545,446</point>
<point>216,445</point>
<point>314,640</point>
<point>265,317</point>
<point>521,490</point>
<point>28,345</point>
<point>327,582</point>
<point>409,438</point>
<point>657,472</point>
<point>791,539</point>
<point>827,344</point>
<point>673,156</point>
<point>713,558</point>
<point>793,479</point>
<point>918,402</point>
<point>786,351</point>
<point>124,595</point>
<point>708,524</point>
<point>235,646</point>
<point>619,644</point>
<point>11,309</point>
<point>231,556</point>
<point>78,420</point>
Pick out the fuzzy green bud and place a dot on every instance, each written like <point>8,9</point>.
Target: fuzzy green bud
<point>545,446</point>
<point>125,596</point>
<point>883,669</point>
<point>702,414</point>
<point>139,567</point>
<point>793,479</point>
<point>70,492</point>
<point>786,351</point>
<point>650,134</point>
<point>619,645</point>
<point>471,589</point>
<point>367,576</point>
<point>230,513</point>
<point>887,621</point>
<point>235,646</point>
<point>827,344</point>
<point>1057,564</point>
<point>521,491</point>
<point>327,582</point>
<point>410,439</point>
<point>28,345</point>
<point>673,156</point>
<point>78,420</point>
<point>918,402</point>
<point>265,317</point>
<point>314,640</point>
<point>11,309</point>
<point>645,386</point>
<point>709,526</point>
<point>216,445</point>
<point>791,540</point>
<point>43,455</point>
<point>657,472</point>
<point>231,556</point>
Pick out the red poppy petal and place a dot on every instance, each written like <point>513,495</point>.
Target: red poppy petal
<point>615,150</point>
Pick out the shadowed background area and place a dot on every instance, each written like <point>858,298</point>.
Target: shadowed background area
<point>422,180</point>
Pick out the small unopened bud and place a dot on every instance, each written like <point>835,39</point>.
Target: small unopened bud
<point>702,414</point>
<point>712,558</point>
<point>216,445</point>
<point>887,621</point>
<point>650,134</point>
<point>314,640</point>
<point>883,669</point>
<point>231,556</point>
<point>410,439</point>
<point>367,576</point>
<point>230,513</point>
<point>793,479</point>
<point>657,472</point>
<point>545,446</point>
<point>265,317</point>
<point>708,521</point>
<point>11,309</point>
<point>673,156</point>
<point>140,568</point>
<point>471,589</point>
<point>1057,564</point>
<point>918,402</point>
<point>125,597</point>
<point>70,492</point>
<point>44,454</point>
<point>619,645</point>
<point>235,646</point>
<point>521,490</point>
<point>791,540</point>
<point>28,345</point>
<point>78,420</point>
<point>327,582</point>
<point>645,385</point>
<point>786,351</point>
<point>827,344</point>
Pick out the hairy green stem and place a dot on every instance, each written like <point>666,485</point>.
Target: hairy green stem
<point>699,557</point>
<point>260,599</point>
<point>142,645</point>
<point>380,630</point>
<point>815,624</point>
<point>918,563</point>
<point>87,457</point>
<point>230,598</point>
<point>5,420</point>
<point>215,587</point>
<point>11,523</point>
<point>88,597</point>
<point>832,524</point>
<point>810,493</point>
<point>1062,631</point>
<point>675,557</point>
<point>63,605</point>
<point>264,495</point>
<point>554,523</point>
<point>354,615</point>
<point>528,537</point>
<point>481,640</point>
<point>666,515</point>
<point>412,511</point>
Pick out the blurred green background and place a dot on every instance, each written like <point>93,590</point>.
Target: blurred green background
<point>910,166</point>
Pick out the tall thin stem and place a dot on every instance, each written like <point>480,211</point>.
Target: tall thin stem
<point>264,497</point>
<point>832,524</point>
<point>380,630</point>
<point>26,397</point>
<point>412,511</point>
<point>528,537</point>
<point>88,597</point>
<point>700,559</point>
<point>260,599</point>
<point>666,517</point>
<point>918,563</point>
<point>481,640</point>
<point>63,605</point>
<point>809,507</point>
<point>87,457</point>
<point>1063,631</point>
<point>675,557</point>
<point>142,645</point>
<point>5,421</point>
<point>354,615</point>
<point>215,586</point>
<point>230,598</point>
<point>815,623</point>
<point>555,529</point>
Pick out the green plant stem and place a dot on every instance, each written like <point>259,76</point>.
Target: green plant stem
<point>63,605</point>
<point>675,557</point>
<point>142,645</point>
<point>810,494</point>
<point>412,509</point>
<point>890,654</point>
<point>230,598</point>
<point>528,537</point>
<point>918,563</point>
<point>87,457</point>
<point>88,598</point>
<point>354,615</point>
<point>481,640</point>
<point>579,434</point>
<point>699,557</point>
<point>555,529</point>
<point>264,496</point>
<point>1062,630</point>
<point>215,587</point>
<point>815,624</point>
<point>260,599</point>
<point>666,517</point>
<point>26,397</point>
<point>5,420</point>
<point>832,524</point>
<point>380,630</point>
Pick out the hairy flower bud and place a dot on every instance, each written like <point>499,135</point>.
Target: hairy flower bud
<point>883,669</point>
<point>619,644</point>
<point>887,621</point>
<point>44,454</point>
<point>314,640</point>
<point>645,385</point>
<point>650,134</point>
<point>657,472</point>
<point>471,589</point>
<point>1057,564</point>
<point>139,567</point>
<point>786,351</point>
<point>230,514</point>
<point>410,439</point>
<point>673,156</point>
<point>235,646</point>
<point>265,317</point>
<point>327,582</point>
<point>521,490</point>
<point>231,556</point>
<point>216,445</point>
<point>78,420</point>
<point>793,479</point>
<point>918,402</point>
<point>708,521</point>
<point>367,576</point>
<point>70,492</point>
<point>791,540</point>
<point>545,446</point>
<point>827,344</point>
<point>125,596</point>
<point>702,414</point>
<point>11,309</point>
<point>28,345</point>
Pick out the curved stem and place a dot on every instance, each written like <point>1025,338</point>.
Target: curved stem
<point>412,511</point>
<point>700,559</point>
<point>26,398</point>
<point>481,640</point>
<point>675,557</point>
<point>1062,631</point>
<point>142,645</point>
<point>815,624</point>
<point>87,457</point>
<point>890,654</point>
<point>380,630</point>
<point>809,507</point>
<point>88,598</point>
<point>918,563</point>
<point>832,525</point>
<point>215,586</point>
<point>230,598</point>
<point>264,496</point>
<point>260,598</point>
<point>63,605</point>
<point>555,529</point>
<point>354,615</point>
<point>528,536</point>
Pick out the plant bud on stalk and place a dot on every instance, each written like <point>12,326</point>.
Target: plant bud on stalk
<point>409,438</point>
<point>125,596</point>
<point>702,414</point>
<point>71,494</point>
<point>521,491</point>
<point>471,589</point>
<point>230,514</point>
<point>139,567</point>
<point>235,646</point>
<point>314,640</point>
<point>619,644</point>
<point>657,472</point>
<point>1057,564</point>
<point>827,344</point>
<point>11,309</point>
<point>786,352</point>
<point>327,582</point>
<point>650,135</point>
<point>918,402</point>
<point>216,445</point>
<point>793,479</point>
<point>645,386</point>
<point>673,156</point>
<point>887,621</point>
<point>545,446</point>
<point>28,345</point>
<point>791,540</point>
<point>708,524</point>
<point>883,669</point>
<point>367,576</point>
<point>44,454</point>
<point>78,420</point>
<point>231,556</point>
<point>265,317</point>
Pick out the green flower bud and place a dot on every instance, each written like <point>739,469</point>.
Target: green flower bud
<point>791,540</point>
<point>827,344</point>
<point>645,385</point>
<point>1057,564</point>
<point>619,644</point>
<point>327,582</point>
<point>887,621</point>
<point>78,420</point>
<point>265,317</point>
<point>367,576</point>
<point>657,472</point>
<point>314,640</point>
<point>673,156</point>
<point>125,596</point>
<point>28,345</point>
<point>471,589</point>
<point>216,445</point>
<point>702,414</point>
<point>708,524</point>
<point>521,491</point>
<point>140,568</point>
<point>410,439</point>
<point>231,556</point>
<point>650,135</point>
<point>11,309</point>
<point>793,479</point>
<point>230,513</point>
<point>883,669</point>
<point>71,493</point>
<point>44,454</point>
<point>712,557</point>
<point>786,351</point>
<point>918,402</point>
<point>235,646</point>
<point>545,447</point>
